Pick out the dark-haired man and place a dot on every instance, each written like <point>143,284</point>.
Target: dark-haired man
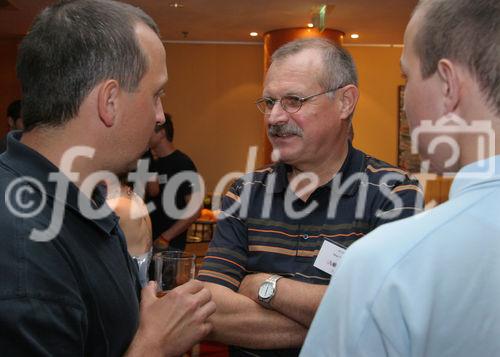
<point>15,121</point>
<point>429,285</point>
<point>169,231</point>
<point>89,69</point>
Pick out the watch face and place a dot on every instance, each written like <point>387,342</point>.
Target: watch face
<point>266,290</point>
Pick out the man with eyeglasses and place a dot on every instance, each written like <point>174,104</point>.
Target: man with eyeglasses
<point>263,266</point>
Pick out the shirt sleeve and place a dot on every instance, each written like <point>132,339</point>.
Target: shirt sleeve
<point>399,197</point>
<point>225,262</point>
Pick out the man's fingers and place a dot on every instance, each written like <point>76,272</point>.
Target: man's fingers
<point>203,296</point>
<point>206,328</point>
<point>148,293</point>
<point>191,287</point>
<point>207,310</point>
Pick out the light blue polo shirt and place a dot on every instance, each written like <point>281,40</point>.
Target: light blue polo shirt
<point>427,286</point>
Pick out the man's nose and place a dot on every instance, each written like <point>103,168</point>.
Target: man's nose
<point>277,115</point>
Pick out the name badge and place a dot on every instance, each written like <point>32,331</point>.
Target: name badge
<point>329,257</point>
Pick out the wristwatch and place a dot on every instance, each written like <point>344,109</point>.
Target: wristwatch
<point>267,289</point>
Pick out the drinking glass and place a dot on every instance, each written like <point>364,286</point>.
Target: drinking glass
<point>172,268</point>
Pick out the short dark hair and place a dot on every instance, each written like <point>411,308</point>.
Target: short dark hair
<point>168,127</point>
<point>466,31</point>
<point>71,47</point>
<point>14,110</point>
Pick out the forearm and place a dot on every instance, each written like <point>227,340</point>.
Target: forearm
<point>153,188</point>
<point>142,345</point>
<point>238,315</point>
<point>178,227</point>
<point>183,224</point>
<point>297,300</point>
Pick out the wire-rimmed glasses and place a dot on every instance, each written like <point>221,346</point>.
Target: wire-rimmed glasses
<point>290,103</point>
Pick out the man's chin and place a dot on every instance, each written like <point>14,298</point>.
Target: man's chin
<point>280,154</point>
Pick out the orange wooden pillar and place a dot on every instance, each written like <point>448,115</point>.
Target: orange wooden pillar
<point>275,39</point>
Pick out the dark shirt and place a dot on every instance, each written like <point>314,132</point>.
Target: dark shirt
<point>280,244</point>
<point>3,144</point>
<point>74,295</point>
<point>167,167</point>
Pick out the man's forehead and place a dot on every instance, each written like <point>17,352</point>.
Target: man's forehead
<point>307,58</point>
<point>294,67</point>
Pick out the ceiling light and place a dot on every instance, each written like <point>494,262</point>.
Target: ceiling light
<point>254,34</point>
<point>354,35</point>
<point>310,25</point>
<point>176,5</point>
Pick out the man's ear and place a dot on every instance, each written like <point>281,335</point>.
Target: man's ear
<point>450,84</point>
<point>107,102</point>
<point>348,99</point>
<point>12,124</point>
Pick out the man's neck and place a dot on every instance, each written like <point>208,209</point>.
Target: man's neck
<point>474,108</point>
<point>55,147</point>
<point>469,144</point>
<point>164,148</point>
<point>324,170</point>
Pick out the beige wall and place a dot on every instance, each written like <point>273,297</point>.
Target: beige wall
<point>210,94</point>
<point>376,118</point>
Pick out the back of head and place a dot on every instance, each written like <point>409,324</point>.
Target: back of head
<point>71,47</point>
<point>338,66</point>
<point>464,31</point>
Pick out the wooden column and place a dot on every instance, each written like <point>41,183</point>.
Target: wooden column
<point>277,38</point>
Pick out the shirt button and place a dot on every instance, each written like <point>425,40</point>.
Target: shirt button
<point>305,236</point>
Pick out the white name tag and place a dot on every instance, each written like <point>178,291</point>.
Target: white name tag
<point>329,257</point>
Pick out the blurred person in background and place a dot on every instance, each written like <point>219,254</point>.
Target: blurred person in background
<point>15,121</point>
<point>135,224</point>
<point>167,161</point>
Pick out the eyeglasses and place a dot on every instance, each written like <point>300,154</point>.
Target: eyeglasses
<point>290,103</point>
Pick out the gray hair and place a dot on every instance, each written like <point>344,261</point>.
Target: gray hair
<point>71,47</point>
<point>339,69</point>
<point>465,31</point>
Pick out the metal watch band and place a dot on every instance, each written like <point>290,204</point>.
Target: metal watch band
<point>274,278</point>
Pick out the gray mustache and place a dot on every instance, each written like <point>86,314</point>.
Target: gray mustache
<point>284,129</point>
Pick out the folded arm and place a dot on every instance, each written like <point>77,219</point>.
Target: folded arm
<point>236,315</point>
<point>294,299</point>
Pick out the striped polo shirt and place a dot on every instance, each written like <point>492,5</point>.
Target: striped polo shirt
<point>264,227</point>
